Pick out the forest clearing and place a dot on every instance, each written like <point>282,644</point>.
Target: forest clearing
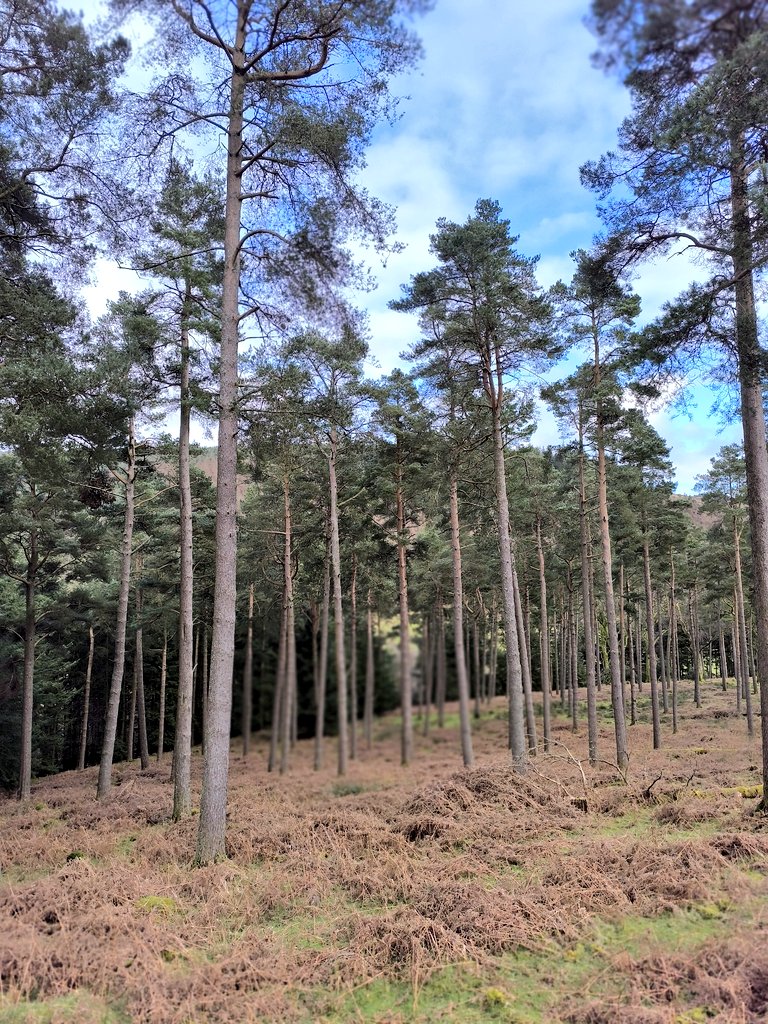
<point>404,894</point>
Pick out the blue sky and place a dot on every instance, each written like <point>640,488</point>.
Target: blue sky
<point>506,105</point>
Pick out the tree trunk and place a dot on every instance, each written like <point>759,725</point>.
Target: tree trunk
<point>246,723</point>
<point>369,675</point>
<point>204,681</point>
<point>182,746</point>
<point>441,673</point>
<point>651,630</point>
<point>662,659</point>
<point>477,668</point>
<point>280,688</point>
<point>742,628</point>
<point>121,626</point>
<point>494,648</point>
<point>477,660</point>
<point>574,692</point>
<point>161,709</point>
<point>493,378</point>
<point>617,690</point>
<point>458,626</point>
<point>587,598</point>
<point>750,361</point>
<point>622,635</point>
<point>530,717</point>
<point>674,652</point>
<point>694,648</point>
<point>139,655</point>
<point>721,643</point>
<point>28,685</point>
<point>430,654</point>
<point>632,677</point>
<point>353,713</point>
<point>564,659</point>
<point>289,689</point>
<point>546,682</point>
<point>639,649</point>
<point>406,694</point>
<point>131,724</point>
<point>86,701</point>
<point>338,609</point>
<point>322,673</point>
<point>213,801</point>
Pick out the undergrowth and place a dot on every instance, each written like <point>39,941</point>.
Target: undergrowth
<point>431,893</point>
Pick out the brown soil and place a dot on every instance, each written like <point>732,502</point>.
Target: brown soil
<point>391,873</point>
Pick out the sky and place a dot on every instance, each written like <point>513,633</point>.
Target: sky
<point>506,105</point>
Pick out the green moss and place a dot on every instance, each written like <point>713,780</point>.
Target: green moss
<point>164,905</point>
<point>698,1015</point>
<point>530,987</point>
<point>77,1008</point>
<point>347,788</point>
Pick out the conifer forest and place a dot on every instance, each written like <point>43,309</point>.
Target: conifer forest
<point>331,693</point>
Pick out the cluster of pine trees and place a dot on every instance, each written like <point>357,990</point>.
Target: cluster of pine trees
<point>148,605</point>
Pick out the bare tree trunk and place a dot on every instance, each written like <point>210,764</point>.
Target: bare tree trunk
<point>546,679</point>
<point>213,802</point>
<point>721,642</point>
<point>565,650</point>
<point>573,618</point>
<point>651,630</point>
<point>477,665</point>
<point>494,648</point>
<point>617,690</point>
<point>161,709</point>
<point>530,717</point>
<point>246,722</point>
<point>353,712</point>
<point>622,634</point>
<point>587,599</point>
<point>742,627</point>
<point>458,626</point>
<point>289,689</point>
<point>750,359</point>
<point>279,695</point>
<point>430,657</point>
<point>338,609</point>
<point>674,651</point>
<point>121,625</point>
<point>406,692</point>
<point>139,656</point>
<point>28,684</point>
<point>694,648</point>
<point>738,670</point>
<point>632,698</point>
<point>369,674</point>
<point>86,701</point>
<point>322,673</point>
<point>662,659</point>
<point>131,724</point>
<point>639,649</point>
<point>441,666</point>
<point>182,745</point>
<point>204,686</point>
<point>493,377</point>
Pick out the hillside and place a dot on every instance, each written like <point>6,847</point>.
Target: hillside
<point>431,893</point>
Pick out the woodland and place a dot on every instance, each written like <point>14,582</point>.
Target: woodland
<point>375,710</point>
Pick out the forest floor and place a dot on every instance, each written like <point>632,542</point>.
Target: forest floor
<point>425,894</point>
